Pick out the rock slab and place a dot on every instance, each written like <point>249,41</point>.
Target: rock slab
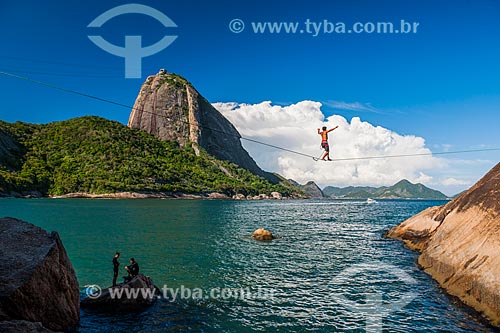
<point>37,282</point>
<point>460,244</point>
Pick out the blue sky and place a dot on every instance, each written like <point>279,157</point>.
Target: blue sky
<point>441,83</point>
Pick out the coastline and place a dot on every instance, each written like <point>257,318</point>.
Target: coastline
<point>190,196</point>
<point>152,195</point>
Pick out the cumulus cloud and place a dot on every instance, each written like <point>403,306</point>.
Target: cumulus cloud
<point>295,127</point>
<point>454,182</point>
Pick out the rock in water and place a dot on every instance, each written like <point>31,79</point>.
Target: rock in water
<point>170,108</point>
<point>37,280</point>
<point>460,244</point>
<point>262,234</point>
<point>141,286</point>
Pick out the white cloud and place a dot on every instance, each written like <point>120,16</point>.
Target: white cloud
<point>454,182</point>
<point>295,127</point>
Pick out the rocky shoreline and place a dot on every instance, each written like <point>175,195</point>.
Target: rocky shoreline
<point>459,244</point>
<point>153,195</point>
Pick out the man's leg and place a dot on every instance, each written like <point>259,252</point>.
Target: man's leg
<point>115,275</point>
<point>327,152</point>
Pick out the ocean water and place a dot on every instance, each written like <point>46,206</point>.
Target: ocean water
<point>330,270</point>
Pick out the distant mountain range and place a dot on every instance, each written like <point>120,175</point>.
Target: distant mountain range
<point>401,190</point>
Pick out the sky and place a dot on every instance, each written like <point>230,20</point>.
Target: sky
<point>434,89</point>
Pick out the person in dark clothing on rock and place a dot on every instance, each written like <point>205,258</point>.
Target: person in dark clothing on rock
<point>116,266</point>
<point>132,269</point>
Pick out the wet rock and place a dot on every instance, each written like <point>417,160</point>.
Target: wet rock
<point>262,234</point>
<point>239,196</point>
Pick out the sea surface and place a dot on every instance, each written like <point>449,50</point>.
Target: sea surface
<point>330,270</point>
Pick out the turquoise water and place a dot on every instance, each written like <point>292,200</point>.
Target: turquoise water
<point>330,255</point>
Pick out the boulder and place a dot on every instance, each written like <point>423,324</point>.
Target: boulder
<point>459,244</point>
<point>262,234</point>
<point>239,196</point>
<point>38,283</point>
<point>216,195</point>
<point>31,194</point>
<point>263,196</point>
<point>276,195</point>
<point>124,300</point>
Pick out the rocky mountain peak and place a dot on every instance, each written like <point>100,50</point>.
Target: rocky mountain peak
<point>170,108</point>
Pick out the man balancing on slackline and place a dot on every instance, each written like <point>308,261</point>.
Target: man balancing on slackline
<point>324,142</point>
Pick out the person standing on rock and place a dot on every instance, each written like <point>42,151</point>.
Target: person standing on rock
<point>132,269</point>
<point>116,266</point>
<point>324,142</point>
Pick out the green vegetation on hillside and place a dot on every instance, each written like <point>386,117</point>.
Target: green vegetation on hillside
<point>95,155</point>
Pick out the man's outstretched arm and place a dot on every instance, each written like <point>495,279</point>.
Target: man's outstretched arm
<point>333,128</point>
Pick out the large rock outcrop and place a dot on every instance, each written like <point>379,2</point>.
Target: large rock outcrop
<point>37,280</point>
<point>170,108</point>
<point>460,244</point>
